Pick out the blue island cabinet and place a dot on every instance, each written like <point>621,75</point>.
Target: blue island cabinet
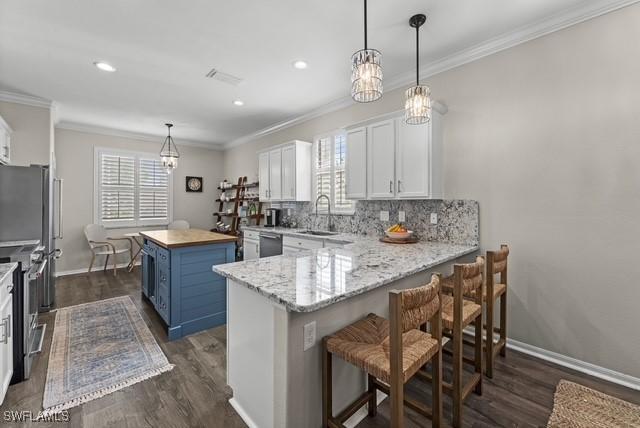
<point>179,282</point>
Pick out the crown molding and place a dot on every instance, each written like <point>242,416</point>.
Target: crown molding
<point>317,112</point>
<point>29,100</point>
<point>508,40</point>
<point>111,132</point>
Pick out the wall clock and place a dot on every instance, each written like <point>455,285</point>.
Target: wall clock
<point>194,184</point>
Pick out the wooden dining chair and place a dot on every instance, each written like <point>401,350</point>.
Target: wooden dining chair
<point>496,264</point>
<point>102,245</point>
<point>459,312</point>
<point>390,352</point>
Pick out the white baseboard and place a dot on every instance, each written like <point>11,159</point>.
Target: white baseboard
<point>354,420</point>
<point>94,269</point>
<point>363,412</point>
<point>575,364</point>
<point>571,363</point>
<point>243,415</point>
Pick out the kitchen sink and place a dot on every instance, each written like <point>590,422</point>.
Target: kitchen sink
<point>319,233</point>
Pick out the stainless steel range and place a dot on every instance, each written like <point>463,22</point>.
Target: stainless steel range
<point>28,334</point>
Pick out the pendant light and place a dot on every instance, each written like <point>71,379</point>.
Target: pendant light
<point>417,107</point>
<point>366,71</point>
<point>169,152</point>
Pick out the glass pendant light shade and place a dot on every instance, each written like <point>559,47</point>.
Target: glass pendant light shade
<point>169,152</point>
<point>417,105</point>
<point>366,71</point>
<point>366,76</point>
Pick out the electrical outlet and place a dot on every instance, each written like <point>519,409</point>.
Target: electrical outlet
<point>401,216</point>
<point>384,215</point>
<point>434,218</point>
<point>309,335</point>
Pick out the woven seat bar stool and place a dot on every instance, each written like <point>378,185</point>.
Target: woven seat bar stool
<point>390,352</point>
<point>459,312</point>
<point>496,264</point>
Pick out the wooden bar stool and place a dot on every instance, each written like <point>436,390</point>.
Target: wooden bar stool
<point>390,352</point>
<point>496,264</point>
<point>458,313</point>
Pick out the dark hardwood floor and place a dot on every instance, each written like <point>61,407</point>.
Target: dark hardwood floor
<point>195,394</point>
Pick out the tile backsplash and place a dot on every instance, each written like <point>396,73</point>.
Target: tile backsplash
<point>458,220</point>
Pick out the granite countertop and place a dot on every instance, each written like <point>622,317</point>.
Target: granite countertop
<point>313,279</point>
<point>186,237</point>
<point>341,238</point>
<point>6,269</point>
<point>19,243</point>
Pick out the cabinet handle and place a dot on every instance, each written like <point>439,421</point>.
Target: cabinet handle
<point>5,337</point>
<point>390,186</point>
<point>399,183</point>
<point>9,326</point>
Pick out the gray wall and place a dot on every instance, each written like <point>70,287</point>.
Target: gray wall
<point>75,157</point>
<point>545,136</point>
<point>32,138</point>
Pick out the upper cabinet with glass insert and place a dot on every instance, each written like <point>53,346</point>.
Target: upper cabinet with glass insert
<point>284,172</point>
<point>387,158</point>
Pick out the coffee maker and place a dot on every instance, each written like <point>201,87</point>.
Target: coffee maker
<point>272,217</point>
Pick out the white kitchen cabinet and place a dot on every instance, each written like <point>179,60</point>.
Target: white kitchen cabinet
<point>6,336</point>
<point>5,142</point>
<point>288,173</point>
<point>399,161</point>
<point>251,249</point>
<point>356,163</point>
<point>285,172</point>
<point>412,161</point>
<point>263,176</point>
<point>301,243</point>
<point>381,141</point>
<point>275,175</point>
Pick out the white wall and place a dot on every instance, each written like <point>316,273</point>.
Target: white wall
<point>75,157</point>
<point>546,136</point>
<point>31,137</point>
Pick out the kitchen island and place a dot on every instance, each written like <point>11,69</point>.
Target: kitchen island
<point>280,307</point>
<point>178,281</point>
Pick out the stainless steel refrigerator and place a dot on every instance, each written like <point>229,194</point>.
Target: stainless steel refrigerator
<point>30,208</point>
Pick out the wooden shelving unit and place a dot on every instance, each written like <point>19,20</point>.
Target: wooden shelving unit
<point>237,202</point>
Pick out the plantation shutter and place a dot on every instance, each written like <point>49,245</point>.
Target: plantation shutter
<point>340,187</point>
<point>330,176</point>
<point>153,191</point>
<point>323,170</point>
<point>117,188</point>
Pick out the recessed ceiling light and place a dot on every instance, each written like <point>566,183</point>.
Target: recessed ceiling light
<point>104,66</point>
<point>238,103</point>
<point>300,64</point>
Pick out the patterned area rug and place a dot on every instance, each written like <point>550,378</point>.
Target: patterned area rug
<point>99,348</point>
<point>576,406</point>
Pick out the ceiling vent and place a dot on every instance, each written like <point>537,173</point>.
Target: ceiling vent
<point>224,77</point>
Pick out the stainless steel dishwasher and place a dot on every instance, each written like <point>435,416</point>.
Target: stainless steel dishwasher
<point>270,244</point>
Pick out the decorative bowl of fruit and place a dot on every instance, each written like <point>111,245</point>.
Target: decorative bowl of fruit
<point>398,231</point>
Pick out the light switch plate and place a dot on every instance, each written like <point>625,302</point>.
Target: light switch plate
<point>434,218</point>
<point>401,216</point>
<point>309,335</point>
<point>384,215</point>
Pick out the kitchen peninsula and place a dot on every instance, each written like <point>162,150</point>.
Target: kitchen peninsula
<point>279,308</point>
<point>178,281</point>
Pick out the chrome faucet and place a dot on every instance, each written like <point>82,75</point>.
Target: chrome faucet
<point>328,208</point>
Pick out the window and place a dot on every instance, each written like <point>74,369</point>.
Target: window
<point>329,173</point>
<point>131,189</point>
